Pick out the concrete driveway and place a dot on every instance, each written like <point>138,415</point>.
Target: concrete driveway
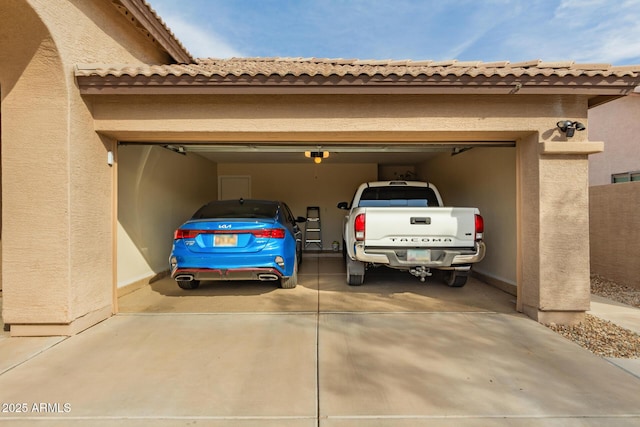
<point>394,352</point>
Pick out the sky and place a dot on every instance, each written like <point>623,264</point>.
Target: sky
<point>585,31</point>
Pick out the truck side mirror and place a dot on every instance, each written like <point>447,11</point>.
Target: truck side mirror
<point>343,205</point>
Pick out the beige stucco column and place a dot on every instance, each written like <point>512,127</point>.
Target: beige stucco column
<point>553,228</point>
<point>56,281</point>
<point>57,188</point>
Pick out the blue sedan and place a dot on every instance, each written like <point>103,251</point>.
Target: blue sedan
<point>238,240</point>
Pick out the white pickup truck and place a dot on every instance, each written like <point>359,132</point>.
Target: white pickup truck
<point>403,225</point>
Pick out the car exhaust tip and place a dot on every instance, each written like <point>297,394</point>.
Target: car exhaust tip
<point>184,277</point>
<point>267,277</point>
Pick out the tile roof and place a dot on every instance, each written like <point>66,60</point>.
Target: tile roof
<point>142,16</point>
<point>297,67</point>
<point>166,28</point>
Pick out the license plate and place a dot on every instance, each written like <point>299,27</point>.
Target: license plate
<point>225,240</point>
<point>419,255</point>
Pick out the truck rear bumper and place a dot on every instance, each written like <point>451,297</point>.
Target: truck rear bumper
<point>440,258</point>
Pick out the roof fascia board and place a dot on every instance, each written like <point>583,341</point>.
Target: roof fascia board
<point>188,85</point>
<point>600,100</point>
<point>344,90</point>
<point>141,12</point>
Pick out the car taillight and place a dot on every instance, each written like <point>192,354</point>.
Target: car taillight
<point>186,234</point>
<point>359,227</point>
<point>479,227</point>
<point>274,233</point>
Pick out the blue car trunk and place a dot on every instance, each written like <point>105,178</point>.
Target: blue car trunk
<point>227,236</point>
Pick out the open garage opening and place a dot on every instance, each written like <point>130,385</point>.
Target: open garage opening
<point>161,185</point>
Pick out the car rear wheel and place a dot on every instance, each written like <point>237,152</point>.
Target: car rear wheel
<point>355,272</point>
<point>455,279</point>
<point>291,281</point>
<point>188,284</point>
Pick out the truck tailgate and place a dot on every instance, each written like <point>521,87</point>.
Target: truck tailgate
<point>420,227</point>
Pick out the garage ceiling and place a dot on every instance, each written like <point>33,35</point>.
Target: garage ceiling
<point>391,153</point>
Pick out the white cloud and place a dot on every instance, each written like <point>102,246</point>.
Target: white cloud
<point>183,19</point>
<point>580,30</point>
<point>199,42</point>
<point>612,33</point>
<point>481,22</point>
<point>515,30</point>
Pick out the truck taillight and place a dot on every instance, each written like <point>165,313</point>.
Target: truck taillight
<point>359,227</point>
<point>479,227</point>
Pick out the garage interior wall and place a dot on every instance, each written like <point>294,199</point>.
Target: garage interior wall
<point>157,191</point>
<point>307,184</point>
<point>484,178</point>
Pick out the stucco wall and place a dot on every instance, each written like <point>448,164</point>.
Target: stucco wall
<point>553,228</point>
<point>343,118</point>
<point>157,191</point>
<point>483,178</point>
<point>35,114</point>
<point>308,184</point>
<point>565,209</point>
<point>616,123</point>
<point>615,232</point>
<point>55,176</point>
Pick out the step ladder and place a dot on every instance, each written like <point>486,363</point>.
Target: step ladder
<point>313,229</point>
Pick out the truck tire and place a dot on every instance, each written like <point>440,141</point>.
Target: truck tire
<point>355,272</point>
<point>456,279</point>
<point>344,251</point>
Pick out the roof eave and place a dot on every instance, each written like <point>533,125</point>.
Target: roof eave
<point>244,84</point>
<point>145,16</point>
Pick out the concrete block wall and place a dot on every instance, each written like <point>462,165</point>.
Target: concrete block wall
<point>615,232</point>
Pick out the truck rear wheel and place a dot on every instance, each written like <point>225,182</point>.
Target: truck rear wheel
<point>344,251</point>
<point>456,279</point>
<point>355,272</point>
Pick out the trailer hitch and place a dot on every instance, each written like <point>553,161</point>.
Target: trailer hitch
<point>421,271</point>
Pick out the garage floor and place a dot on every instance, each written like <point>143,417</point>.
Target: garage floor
<point>392,353</point>
<point>321,288</point>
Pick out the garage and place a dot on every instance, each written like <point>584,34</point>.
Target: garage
<point>163,201</point>
<point>131,88</point>
<point>494,118</point>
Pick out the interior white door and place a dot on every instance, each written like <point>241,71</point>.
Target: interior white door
<point>234,187</point>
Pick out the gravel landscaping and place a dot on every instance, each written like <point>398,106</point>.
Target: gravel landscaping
<point>600,336</point>
<point>615,291</point>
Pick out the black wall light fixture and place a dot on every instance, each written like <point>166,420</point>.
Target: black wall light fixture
<point>569,127</point>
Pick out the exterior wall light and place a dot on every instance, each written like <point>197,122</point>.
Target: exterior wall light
<point>569,127</point>
<point>317,156</point>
